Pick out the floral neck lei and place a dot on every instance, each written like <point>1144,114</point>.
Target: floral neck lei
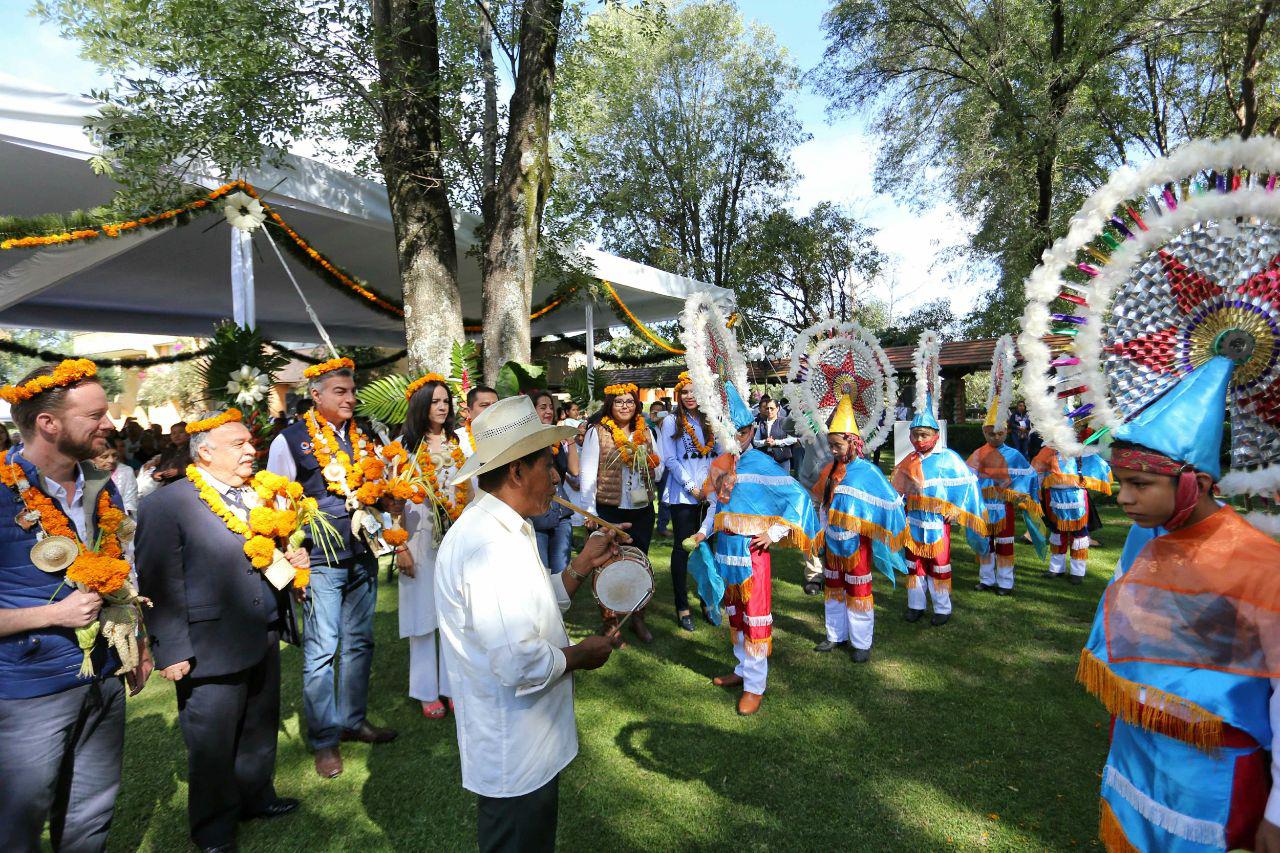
<point>266,525</point>
<point>627,447</point>
<point>471,438</point>
<point>703,449</point>
<point>452,507</point>
<point>343,474</point>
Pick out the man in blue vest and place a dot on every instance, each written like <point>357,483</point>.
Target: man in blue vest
<point>61,733</point>
<point>319,451</point>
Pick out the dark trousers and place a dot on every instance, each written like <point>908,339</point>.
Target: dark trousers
<point>524,824</point>
<point>685,521</point>
<point>60,759</point>
<point>641,521</point>
<point>230,723</point>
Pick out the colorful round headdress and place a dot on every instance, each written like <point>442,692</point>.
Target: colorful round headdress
<point>711,353</point>
<point>928,366</point>
<point>1168,312</point>
<point>831,360</point>
<point>328,367</point>
<point>68,372</point>
<point>1000,388</point>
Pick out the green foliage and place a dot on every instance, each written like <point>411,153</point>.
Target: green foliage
<point>182,384</point>
<point>383,399</point>
<point>367,355</point>
<point>231,348</point>
<point>673,140</point>
<point>935,315</point>
<point>516,378</point>
<point>464,366</point>
<point>583,387</point>
<point>14,366</point>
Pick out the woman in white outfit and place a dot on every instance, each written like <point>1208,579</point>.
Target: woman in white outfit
<point>428,432</point>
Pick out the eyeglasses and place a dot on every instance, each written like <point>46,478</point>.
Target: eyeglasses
<point>630,403</point>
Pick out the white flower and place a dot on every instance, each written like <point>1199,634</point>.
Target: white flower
<point>249,385</point>
<point>244,212</point>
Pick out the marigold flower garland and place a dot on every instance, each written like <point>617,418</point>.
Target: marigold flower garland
<point>627,447</point>
<point>102,569</point>
<point>328,367</point>
<point>452,508</point>
<point>418,384</point>
<point>703,449</point>
<point>355,472</point>
<point>229,416</point>
<point>69,372</point>
<point>622,388</point>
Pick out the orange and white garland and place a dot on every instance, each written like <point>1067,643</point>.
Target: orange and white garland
<point>354,476</point>
<point>101,569</point>
<point>627,447</point>
<point>452,508</point>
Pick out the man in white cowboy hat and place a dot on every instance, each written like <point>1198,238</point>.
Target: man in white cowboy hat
<point>504,642</point>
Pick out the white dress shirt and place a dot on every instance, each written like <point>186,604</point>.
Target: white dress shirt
<point>683,475</point>
<point>127,484</point>
<point>280,459</point>
<point>72,505</point>
<point>589,474</point>
<point>502,636</point>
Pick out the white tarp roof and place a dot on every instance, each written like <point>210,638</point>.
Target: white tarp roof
<point>177,280</point>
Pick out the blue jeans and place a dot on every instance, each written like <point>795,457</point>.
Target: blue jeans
<point>554,546</point>
<point>338,620</point>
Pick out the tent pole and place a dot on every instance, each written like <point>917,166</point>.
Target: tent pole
<point>591,336</point>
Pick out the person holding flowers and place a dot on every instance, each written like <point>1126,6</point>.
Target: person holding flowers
<point>215,557</point>
<point>620,469</point>
<point>68,616</point>
<point>429,433</point>
<point>337,465</point>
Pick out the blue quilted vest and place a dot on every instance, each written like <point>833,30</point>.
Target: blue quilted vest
<point>45,661</point>
<point>314,485</point>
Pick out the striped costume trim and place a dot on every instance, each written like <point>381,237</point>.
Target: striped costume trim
<point>867,497</point>
<point>754,648</point>
<point>949,511</point>
<point>1184,826</point>
<point>1148,707</point>
<point>861,603</point>
<point>766,479</point>
<point>754,525</point>
<point>733,560</point>
<point>862,527</point>
<point>1018,500</point>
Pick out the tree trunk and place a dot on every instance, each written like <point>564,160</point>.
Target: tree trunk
<point>489,128</point>
<point>409,154</point>
<point>511,245</point>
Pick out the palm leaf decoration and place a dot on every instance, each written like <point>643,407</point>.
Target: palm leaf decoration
<point>464,368</point>
<point>383,400</point>
<point>580,383</point>
<point>231,348</point>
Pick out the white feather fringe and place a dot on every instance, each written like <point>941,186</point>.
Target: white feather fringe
<point>928,380</point>
<point>700,312</point>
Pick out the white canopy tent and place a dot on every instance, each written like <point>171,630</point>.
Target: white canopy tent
<point>177,280</point>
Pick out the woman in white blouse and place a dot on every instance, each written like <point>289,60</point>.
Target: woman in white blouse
<point>429,432</point>
<point>620,469</point>
<point>687,450</point>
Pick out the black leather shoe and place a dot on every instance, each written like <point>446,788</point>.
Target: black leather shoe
<point>860,655</point>
<point>369,733</point>
<point>824,646</point>
<point>1075,580</point>
<point>939,619</point>
<point>686,622</point>
<point>279,807</point>
<point>1002,591</point>
<point>812,588</point>
<point>913,615</point>
<point>1052,575</point>
<point>983,587</point>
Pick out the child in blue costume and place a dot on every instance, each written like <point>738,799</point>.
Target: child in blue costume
<point>1185,646</point>
<point>755,504</point>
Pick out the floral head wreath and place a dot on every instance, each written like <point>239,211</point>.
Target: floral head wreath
<point>623,388</point>
<point>69,372</point>
<point>683,380</point>
<point>227,417</point>
<point>418,384</point>
<point>328,367</point>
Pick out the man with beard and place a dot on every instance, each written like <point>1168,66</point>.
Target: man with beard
<point>62,732</point>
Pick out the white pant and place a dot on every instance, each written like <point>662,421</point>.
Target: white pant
<point>941,597</point>
<point>753,670</point>
<point>991,576</point>
<point>1058,562</point>
<point>428,680</point>
<point>844,623</point>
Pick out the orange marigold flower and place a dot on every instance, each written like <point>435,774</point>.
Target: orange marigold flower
<point>99,573</point>
<point>259,549</point>
<point>395,537</point>
<point>302,578</point>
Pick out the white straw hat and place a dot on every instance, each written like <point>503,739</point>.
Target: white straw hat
<point>506,431</point>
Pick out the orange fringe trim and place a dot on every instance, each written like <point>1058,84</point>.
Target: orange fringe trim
<point>737,593</point>
<point>1111,833</point>
<point>833,593</point>
<point>1102,487</point>
<point>848,565</point>
<point>1003,562</point>
<point>1080,555</point>
<point>913,581</point>
<point>865,528</point>
<point>925,549</point>
<point>755,648</point>
<point>1194,725</point>
<point>942,584</point>
<point>1019,500</point>
<point>754,525</point>
<point>864,603</point>
<point>1065,526</point>
<point>949,511</point>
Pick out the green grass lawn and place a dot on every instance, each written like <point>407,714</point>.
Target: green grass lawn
<point>973,735</point>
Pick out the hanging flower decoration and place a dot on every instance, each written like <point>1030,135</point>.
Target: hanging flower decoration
<point>244,212</point>
<point>248,385</point>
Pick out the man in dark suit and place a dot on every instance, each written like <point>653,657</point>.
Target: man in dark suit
<point>771,435</point>
<point>215,630</point>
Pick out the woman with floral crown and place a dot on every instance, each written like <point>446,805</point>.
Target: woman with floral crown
<point>620,469</point>
<point>429,434</point>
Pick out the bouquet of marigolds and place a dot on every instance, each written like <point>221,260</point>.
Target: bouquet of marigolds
<point>401,483</point>
<point>283,515</point>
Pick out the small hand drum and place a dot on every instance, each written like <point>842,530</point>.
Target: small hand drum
<point>626,584</point>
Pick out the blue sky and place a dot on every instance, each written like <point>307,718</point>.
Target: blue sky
<point>836,164</point>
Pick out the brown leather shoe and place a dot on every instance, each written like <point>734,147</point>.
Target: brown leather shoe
<point>730,680</point>
<point>369,733</point>
<point>749,703</point>
<point>643,634</point>
<point>328,762</point>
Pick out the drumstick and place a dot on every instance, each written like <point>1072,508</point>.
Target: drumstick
<point>617,629</point>
<point>626,537</point>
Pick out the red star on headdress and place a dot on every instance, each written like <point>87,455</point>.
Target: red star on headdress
<point>838,378</point>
